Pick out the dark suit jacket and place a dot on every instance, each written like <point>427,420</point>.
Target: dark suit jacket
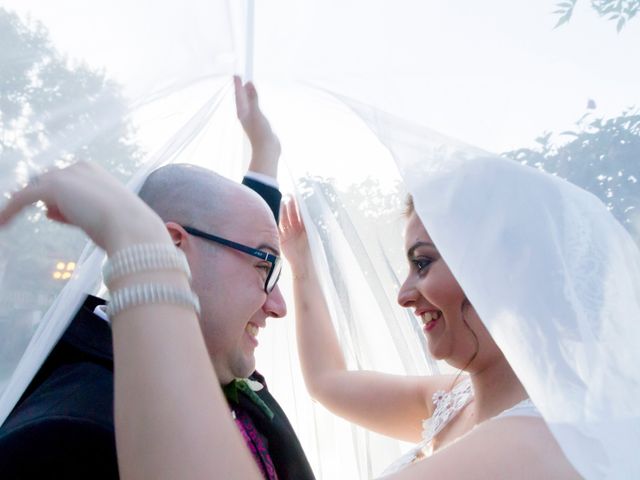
<point>270,195</point>
<point>282,443</point>
<point>62,427</point>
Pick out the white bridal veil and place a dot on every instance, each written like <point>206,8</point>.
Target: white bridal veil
<point>347,86</point>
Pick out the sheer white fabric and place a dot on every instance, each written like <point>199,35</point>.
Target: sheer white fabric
<point>525,408</point>
<point>321,69</point>
<point>555,278</point>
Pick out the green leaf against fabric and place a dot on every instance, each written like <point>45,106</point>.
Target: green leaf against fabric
<point>601,155</point>
<point>231,391</point>
<point>564,11</point>
<point>619,11</point>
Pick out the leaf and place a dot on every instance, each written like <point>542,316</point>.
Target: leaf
<point>563,19</point>
<point>243,387</point>
<point>565,10</point>
<point>231,392</point>
<point>620,24</point>
<point>570,133</point>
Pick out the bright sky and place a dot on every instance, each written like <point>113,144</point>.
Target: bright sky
<point>494,73</point>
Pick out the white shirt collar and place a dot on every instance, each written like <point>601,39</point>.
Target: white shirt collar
<point>101,311</point>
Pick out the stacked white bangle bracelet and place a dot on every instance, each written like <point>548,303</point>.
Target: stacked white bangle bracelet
<point>144,258</point>
<point>149,293</point>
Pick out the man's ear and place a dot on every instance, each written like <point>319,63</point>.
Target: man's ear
<point>177,233</point>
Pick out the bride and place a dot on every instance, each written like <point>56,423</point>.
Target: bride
<point>396,405</point>
<point>173,422</point>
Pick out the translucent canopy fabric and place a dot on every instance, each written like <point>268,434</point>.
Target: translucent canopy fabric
<point>347,87</point>
<point>554,277</point>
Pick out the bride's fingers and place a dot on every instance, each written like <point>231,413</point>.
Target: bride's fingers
<point>291,214</point>
<point>252,93</point>
<point>285,221</point>
<point>240,96</point>
<point>293,218</point>
<point>295,212</point>
<point>54,213</point>
<point>29,195</point>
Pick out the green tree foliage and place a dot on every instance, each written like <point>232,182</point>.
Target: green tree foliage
<point>52,112</point>
<point>600,155</point>
<point>619,11</point>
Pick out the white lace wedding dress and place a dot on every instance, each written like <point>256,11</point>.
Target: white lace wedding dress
<point>447,406</point>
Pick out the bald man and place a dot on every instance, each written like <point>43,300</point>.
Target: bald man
<point>63,425</point>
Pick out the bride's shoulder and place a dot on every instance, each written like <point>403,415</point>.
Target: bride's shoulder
<point>522,444</point>
<point>525,408</point>
<point>510,447</point>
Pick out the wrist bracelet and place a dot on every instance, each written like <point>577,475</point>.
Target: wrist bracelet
<point>144,257</point>
<point>151,293</point>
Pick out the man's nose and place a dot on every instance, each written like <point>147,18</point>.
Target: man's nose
<point>275,306</point>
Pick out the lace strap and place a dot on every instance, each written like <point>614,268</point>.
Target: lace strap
<point>448,405</point>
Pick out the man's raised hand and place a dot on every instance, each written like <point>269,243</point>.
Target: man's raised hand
<point>265,145</point>
<point>85,195</point>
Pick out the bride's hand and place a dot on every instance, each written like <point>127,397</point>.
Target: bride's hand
<point>293,236</point>
<point>88,197</point>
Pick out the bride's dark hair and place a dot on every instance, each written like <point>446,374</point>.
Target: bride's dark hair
<point>409,206</point>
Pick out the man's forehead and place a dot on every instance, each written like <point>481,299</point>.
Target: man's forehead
<point>256,227</point>
<point>263,240</point>
<point>270,247</point>
<point>266,234</point>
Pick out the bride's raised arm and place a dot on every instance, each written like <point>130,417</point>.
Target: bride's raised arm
<point>171,418</point>
<point>393,405</point>
<point>474,443</point>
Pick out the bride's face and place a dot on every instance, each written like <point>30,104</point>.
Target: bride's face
<point>437,298</point>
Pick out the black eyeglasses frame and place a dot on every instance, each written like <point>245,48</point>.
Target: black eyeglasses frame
<point>274,260</point>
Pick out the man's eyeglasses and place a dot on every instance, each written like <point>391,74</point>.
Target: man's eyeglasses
<point>276,262</point>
